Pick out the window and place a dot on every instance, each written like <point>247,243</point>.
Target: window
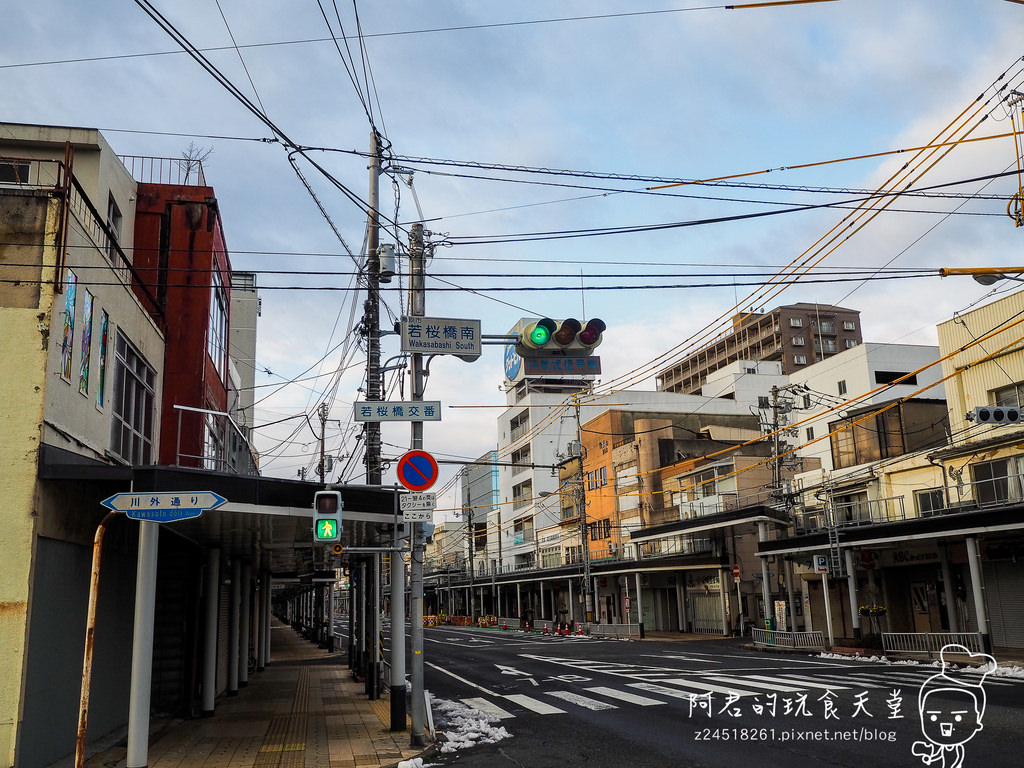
<point>851,343</point>
<point>573,555</point>
<point>997,481</point>
<point>1011,395</point>
<point>602,476</point>
<point>870,440</point>
<point>522,531</point>
<point>826,345</point>
<point>826,326</point>
<point>807,401</point>
<point>849,325</point>
<point>217,332</point>
<point>800,359</point>
<point>928,502</point>
<point>521,458</point>
<point>798,341</point>
<point>480,536</point>
<point>842,387</point>
<point>67,347</point>
<point>213,442</point>
<point>550,557</point>
<point>796,322</point>
<point>888,377</point>
<point>519,425</point>
<point>762,401</point>
<point>810,434</point>
<point>13,172</point>
<point>522,494</point>
<point>131,435</point>
<point>114,225</point>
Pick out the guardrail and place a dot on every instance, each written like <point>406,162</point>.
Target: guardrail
<point>812,641</point>
<point>928,644</point>
<point>615,630</point>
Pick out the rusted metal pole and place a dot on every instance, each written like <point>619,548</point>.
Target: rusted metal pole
<point>90,635</point>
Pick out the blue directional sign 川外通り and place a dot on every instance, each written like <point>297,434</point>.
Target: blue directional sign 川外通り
<point>164,506</point>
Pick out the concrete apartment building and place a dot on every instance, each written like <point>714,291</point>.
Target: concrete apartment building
<point>795,335</point>
<point>97,304</point>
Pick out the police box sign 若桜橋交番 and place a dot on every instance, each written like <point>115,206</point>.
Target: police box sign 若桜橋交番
<point>441,336</point>
<point>394,410</point>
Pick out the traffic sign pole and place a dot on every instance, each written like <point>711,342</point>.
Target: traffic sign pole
<point>142,647</point>
<point>739,597</point>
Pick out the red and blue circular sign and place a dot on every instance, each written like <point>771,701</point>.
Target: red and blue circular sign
<point>417,470</point>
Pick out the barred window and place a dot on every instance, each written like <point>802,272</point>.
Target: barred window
<point>131,435</point>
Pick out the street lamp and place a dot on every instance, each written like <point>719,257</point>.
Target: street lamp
<point>985,275</point>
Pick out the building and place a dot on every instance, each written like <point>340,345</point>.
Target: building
<point>114,305</point>
<point>795,335</point>
<point>933,534</point>
<point>181,255</point>
<point>83,378</point>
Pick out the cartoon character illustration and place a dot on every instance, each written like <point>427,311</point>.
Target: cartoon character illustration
<point>951,710</point>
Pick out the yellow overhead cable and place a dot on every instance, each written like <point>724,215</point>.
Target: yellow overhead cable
<point>767,292</point>
<point>868,156</point>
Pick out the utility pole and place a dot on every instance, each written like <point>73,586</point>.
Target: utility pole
<point>470,565</point>
<point>581,501</point>
<point>371,315</point>
<point>417,308</point>
<point>322,470</point>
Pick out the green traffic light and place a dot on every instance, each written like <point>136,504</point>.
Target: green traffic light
<point>540,335</point>
<point>327,529</point>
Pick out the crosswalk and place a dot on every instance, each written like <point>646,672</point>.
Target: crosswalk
<point>651,691</point>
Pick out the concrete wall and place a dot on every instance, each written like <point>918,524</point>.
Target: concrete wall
<point>23,379</point>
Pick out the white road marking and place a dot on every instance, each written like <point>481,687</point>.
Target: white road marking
<point>750,683</point>
<point>703,687</point>
<point>611,693</point>
<point>534,705</point>
<point>674,692</point>
<point>581,701</point>
<point>470,683</point>
<point>798,680</point>
<point>490,709</point>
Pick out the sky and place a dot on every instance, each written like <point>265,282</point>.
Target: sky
<point>771,97</point>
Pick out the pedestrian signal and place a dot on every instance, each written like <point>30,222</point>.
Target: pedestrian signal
<point>327,508</point>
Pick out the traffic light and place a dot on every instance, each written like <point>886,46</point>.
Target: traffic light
<point>327,509</point>
<point>995,414</point>
<point>568,337</point>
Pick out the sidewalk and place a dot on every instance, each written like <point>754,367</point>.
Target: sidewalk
<point>303,711</point>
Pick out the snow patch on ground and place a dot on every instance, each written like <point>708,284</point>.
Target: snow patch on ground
<point>1011,671</point>
<point>465,726</point>
<point>1016,672</point>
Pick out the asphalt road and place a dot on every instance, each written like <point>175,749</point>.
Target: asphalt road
<point>612,703</point>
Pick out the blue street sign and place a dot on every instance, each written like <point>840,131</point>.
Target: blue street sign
<point>164,506</point>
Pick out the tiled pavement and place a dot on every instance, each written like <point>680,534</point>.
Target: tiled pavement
<point>302,711</point>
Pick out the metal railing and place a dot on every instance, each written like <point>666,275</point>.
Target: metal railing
<point>813,640</point>
<point>165,170</point>
<point>928,644</point>
<point>225,446</point>
<point>852,513</point>
<point>614,630</point>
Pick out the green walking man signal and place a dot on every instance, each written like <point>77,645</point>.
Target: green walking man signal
<point>327,509</point>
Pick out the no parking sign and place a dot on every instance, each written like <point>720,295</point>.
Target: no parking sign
<point>417,470</point>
